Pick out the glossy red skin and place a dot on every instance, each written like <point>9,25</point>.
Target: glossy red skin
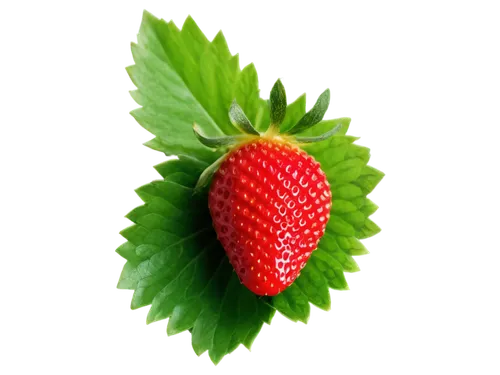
<point>270,203</point>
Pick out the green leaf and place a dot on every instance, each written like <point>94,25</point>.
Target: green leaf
<point>345,191</point>
<point>315,115</point>
<point>368,179</point>
<point>330,246</point>
<point>183,164</point>
<point>127,251</point>
<point>355,218</point>
<point>277,101</point>
<point>369,229</point>
<point>346,171</point>
<point>293,303</point>
<point>315,286</point>
<point>187,276</point>
<point>367,207</point>
<point>129,276</point>
<point>358,152</point>
<point>339,226</point>
<point>190,92</point>
<point>341,206</point>
<point>330,268</point>
<point>351,245</point>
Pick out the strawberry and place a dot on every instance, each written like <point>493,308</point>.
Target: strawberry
<point>270,203</point>
<point>269,200</point>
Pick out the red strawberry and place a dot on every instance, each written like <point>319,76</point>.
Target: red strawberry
<point>270,203</point>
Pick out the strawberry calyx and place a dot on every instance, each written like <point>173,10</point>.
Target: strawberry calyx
<point>248,133</point>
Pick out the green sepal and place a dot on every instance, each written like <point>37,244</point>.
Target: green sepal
<point>207,174</point>
<point>277,104</point>
<point>319,138</point>
<point>240,120</point>
<point>217,142</point>
<point>315,115</point>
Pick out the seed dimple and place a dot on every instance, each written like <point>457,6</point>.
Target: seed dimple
<point>303,183</point>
